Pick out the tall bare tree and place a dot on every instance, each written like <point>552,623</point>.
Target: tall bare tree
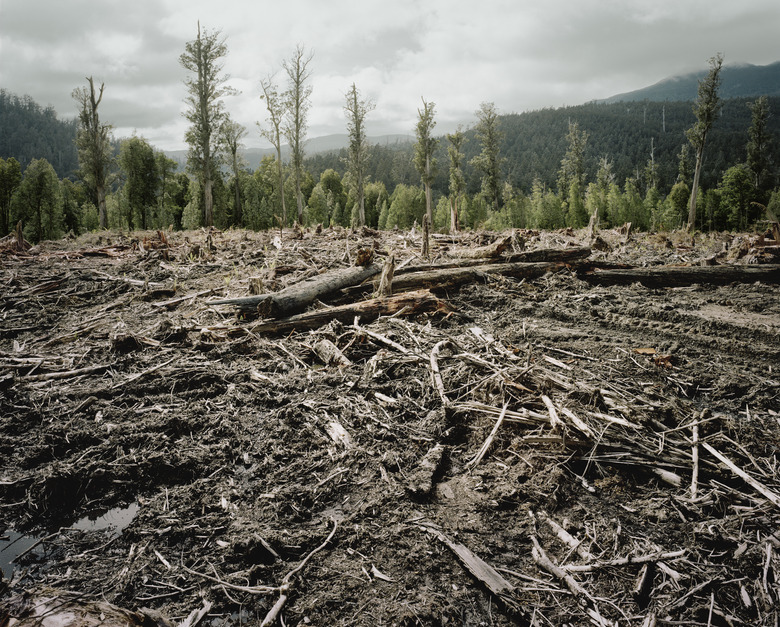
<point>233,134</point>
<point>706,108</point>
<point>275,104</point>
<point>203,57</point>
<point>356,110</point>
<point>423,152</point>
<point>93,145</point>
<point>297,96</point>
<point>457,180</point>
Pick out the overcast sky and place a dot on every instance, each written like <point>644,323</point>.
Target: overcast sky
<point>519,54</point>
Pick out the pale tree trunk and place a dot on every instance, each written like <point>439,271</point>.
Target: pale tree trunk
<point>299,196</point>
<point>428,198</point>
<point>361,205</point>
<point>695,189</point>
<point>454,216</point>
<point>281,184</point>
<point>208,202</point>
<point>102,213</point>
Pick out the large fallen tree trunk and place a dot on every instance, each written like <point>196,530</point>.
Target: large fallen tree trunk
<point>675,276</point>
<point>447,277</point>
<point>567,255</point>
<point>299,296</point>
<point>409,303</point>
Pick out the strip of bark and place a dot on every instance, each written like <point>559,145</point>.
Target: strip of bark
<point>295,298</point>
<point>408,302</point>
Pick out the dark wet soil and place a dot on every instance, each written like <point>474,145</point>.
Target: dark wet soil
<point>563,428</point>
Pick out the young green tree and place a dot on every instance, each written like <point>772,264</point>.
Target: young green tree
<point>167,208</point>
<point>139,169</point>
<point>10,179</point>
<point>423,153</point>
<point>93,145</point>
<point>206,88</point>
<point>275,105</point>
<point>758,147</point>
<point>457,180</point>
<point>736,193</point>
<point>572,170</point>
<point>233,134</point>
<point>488,162</point>
<point>37,201</point>
<point>706,109</point>
<point>297,98</point>
<point>356,110</point>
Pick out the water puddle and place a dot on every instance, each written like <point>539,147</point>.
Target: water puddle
<point>13,544</point>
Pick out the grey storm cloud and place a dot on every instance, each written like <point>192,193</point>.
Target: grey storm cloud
<point>456,53</point>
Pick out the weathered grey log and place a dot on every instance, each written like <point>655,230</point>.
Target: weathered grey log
<point>295,298</point>
<point>567,255</point>
<point>447,277</point>
<point>676,276</point>
<point>410,302</point>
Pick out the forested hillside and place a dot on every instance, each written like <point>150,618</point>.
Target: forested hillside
<point>624,132</point>
<point>29,131</point>
<point>631,171</point>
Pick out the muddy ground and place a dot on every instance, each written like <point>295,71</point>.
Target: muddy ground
<point>545,478</point>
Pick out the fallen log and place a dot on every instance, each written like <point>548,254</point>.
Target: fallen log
<point>295,298</point>
<point>491,251</point>
<point>567,255</point>
<point>676,276</point>
<point>447,277</point>
<point>409,302</point>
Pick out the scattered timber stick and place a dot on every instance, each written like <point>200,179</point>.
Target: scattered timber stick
<point>675,276</point>
<point>582,595</point>
<point>625,561</point>
<point>695,460</point>
<point>295,298</point>
<point>138,375</point>
<point>491,251</point>
<point>436,373</point>
<point>330,354</point>
<point>565,537</point>
<point>67,374</point>
<point>196,615</point>
<point>488,441</point>
<point>483,571</point>
<point>408,302</point>
<point>759,487</point>
<point>386,279</point>
<point>170,304</point>
<point>287,585</point>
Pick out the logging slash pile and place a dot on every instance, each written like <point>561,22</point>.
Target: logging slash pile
<point>330,428</point>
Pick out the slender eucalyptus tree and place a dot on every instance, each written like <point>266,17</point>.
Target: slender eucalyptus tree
<point>233,134</point>
<point>759,142</point>
<point>206,88</point>
<point>93,143</point>
<point>706,108</point>
<point>457,180</point>
<point>489,161</point>
<point>298,102</point>
<point>275,104</point>
<point>423,152</point>
<point>356,110</point>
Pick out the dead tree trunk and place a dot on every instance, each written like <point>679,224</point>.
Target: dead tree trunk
<point>297,297</point>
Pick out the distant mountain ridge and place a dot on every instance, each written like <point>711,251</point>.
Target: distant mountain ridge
<point>738,81</point>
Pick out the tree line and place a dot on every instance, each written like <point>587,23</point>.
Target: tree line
<point>498,174</point>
